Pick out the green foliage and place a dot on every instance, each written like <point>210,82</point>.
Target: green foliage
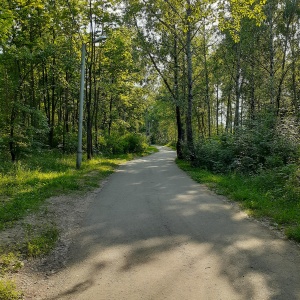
<point>41,244</point>
<point>10,262</point>
<point>8,290</point>
<point>134,143</point>
<point>6,20</point>
<point>260,144</point>
<point>129,143</point>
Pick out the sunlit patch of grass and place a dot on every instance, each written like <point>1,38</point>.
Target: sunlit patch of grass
<point>26,184</point>
<point>10,262</point>
<point>42,243</point>
<point>8,290</point>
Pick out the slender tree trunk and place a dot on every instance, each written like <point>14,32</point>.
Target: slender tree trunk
<point>207,98</point>
<point>12,145</point>
<point>295,99</point>
<point>53,106</point>
<point>179,143</point>
<point>237,87</point>
<point>271,54</point>
<point>189,127</point>
<point>283,71</point>
<point>89,142</point>
<point>217,109</point>
<point>96,116</point>
<point>252,90</point>
<point>89,119</point>
<point>110,115</point>
<point>229,115</point>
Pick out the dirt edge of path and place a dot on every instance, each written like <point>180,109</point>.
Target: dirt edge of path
<point>65,212</point>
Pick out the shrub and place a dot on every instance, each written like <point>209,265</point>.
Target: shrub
<point>263,143</point>
<point>8,291</point>
<point>129,143</point>
<point>134,143</point>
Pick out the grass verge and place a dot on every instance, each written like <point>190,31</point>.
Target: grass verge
<point>271,194</point>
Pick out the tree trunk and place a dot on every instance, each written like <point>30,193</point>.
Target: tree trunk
<point>271,54</point>
<point>89,123</point>
<point>207,98</point>
<point>237,87</point>
<point>189,128</point>
<point>217,109</point>
<point>179,143</point>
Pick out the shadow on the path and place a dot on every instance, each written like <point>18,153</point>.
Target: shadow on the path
<point>161,211</point>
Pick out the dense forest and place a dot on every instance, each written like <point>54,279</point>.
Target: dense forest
<point>40,76</point>
<point>218,79</point>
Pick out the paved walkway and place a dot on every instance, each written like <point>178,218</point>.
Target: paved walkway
<point>153,233</point>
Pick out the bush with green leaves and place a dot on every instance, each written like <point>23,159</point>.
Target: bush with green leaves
<point>264,143</point>
<point>129,143</point>
<point>134,143</point>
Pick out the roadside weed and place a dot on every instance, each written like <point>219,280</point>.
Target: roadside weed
<point>8,290</point>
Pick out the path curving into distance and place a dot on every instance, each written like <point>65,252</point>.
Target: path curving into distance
<point>153,233</point>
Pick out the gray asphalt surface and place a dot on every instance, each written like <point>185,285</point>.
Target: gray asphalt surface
<point>153,233</point>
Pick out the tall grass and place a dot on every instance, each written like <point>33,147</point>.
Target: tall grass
<point>26,184</point>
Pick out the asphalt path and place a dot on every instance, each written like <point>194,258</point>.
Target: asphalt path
<point>153,233</point>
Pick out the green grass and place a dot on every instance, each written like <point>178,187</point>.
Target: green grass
<point>8,290</point>
<point>9,263</point>
<point>26,184</point>
<point>42,243</point>
<point>273,194</point>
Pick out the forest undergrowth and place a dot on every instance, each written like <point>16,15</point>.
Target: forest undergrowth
<point>258,166</point>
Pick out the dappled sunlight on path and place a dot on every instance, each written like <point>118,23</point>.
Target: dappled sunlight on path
<point>153,233</point>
